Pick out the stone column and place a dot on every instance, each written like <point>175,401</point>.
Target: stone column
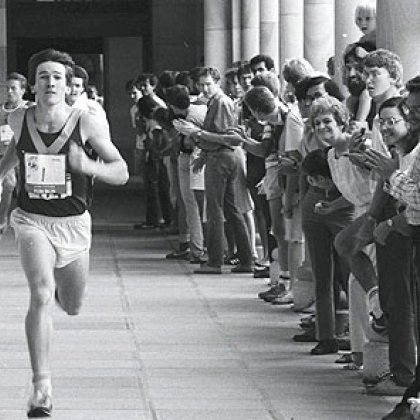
<point>269,29</point>
<point>346,31</point>
<point>3,50</point>
<point>319,32</point>
<point>250,25</point>
<point>236,31</point>
<point>291,30</point>
<point>398,30</point>
<point>218,34</point>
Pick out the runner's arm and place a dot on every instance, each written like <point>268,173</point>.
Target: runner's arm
<point>111,168</point>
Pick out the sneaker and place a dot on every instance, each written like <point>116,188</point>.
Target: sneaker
<point>386,386</point>
<point>271,293</point>
<point>353,367</point>
<point>232,260</point>
<point>400,412</point>
<point>40,405</point>
<point>285,298</point>
<point>179,255</point>
<point>345,358</point>
<point>325,347</point>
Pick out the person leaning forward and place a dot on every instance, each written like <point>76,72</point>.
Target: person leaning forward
<point>221,156</point>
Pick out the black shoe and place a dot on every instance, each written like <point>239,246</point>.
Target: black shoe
<point>178,255</point>
<point>325,347</point>
<point>400,412</point>
<point>307,337</point>
<point>232,260</point>
<point>242,269</point>
<point>261,272</point>
<point>271,293</point>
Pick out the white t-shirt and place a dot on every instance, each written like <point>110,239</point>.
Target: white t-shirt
<point>6,132</point>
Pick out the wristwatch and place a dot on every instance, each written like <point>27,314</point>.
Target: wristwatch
<point>390,223</point>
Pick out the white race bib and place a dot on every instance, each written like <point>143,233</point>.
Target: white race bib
<point>46,176</point>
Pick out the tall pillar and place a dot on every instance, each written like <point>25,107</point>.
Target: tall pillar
<point>218,34</point>
<point>346,31</point>
<point>236,30</point>
<point>3,49</point>
<point>269,29</point>
<point>291,30</point>
<point>319,32</point>
<point>250,20</point>
<point>399,31</point>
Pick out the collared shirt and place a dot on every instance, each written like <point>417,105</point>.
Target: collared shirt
<point>356,185</point>
<point>219,118</point>
<point>404,185</point>
<point>293,129</point>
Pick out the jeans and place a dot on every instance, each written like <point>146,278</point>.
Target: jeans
<point>395,294</point>
<point>157,192</point>
<point>220,175</point>
<point>179,205</point>
<point>191,207</point>
<point>414,388</point>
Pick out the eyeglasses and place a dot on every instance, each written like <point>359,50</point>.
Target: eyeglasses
<point>389,122</point>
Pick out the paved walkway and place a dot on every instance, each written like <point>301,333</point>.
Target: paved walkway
<point>158,343</point>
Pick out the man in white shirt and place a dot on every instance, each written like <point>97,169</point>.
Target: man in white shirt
<point>16,87</point>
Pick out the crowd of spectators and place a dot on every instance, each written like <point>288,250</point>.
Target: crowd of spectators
<point>288,176</point>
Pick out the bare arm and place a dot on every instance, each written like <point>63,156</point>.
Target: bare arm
<point>112,168</point>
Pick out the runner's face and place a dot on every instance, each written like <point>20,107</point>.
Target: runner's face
<point>15,92</point>
<point>50,83</point>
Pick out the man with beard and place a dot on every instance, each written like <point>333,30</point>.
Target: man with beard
<point>359,102</point>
